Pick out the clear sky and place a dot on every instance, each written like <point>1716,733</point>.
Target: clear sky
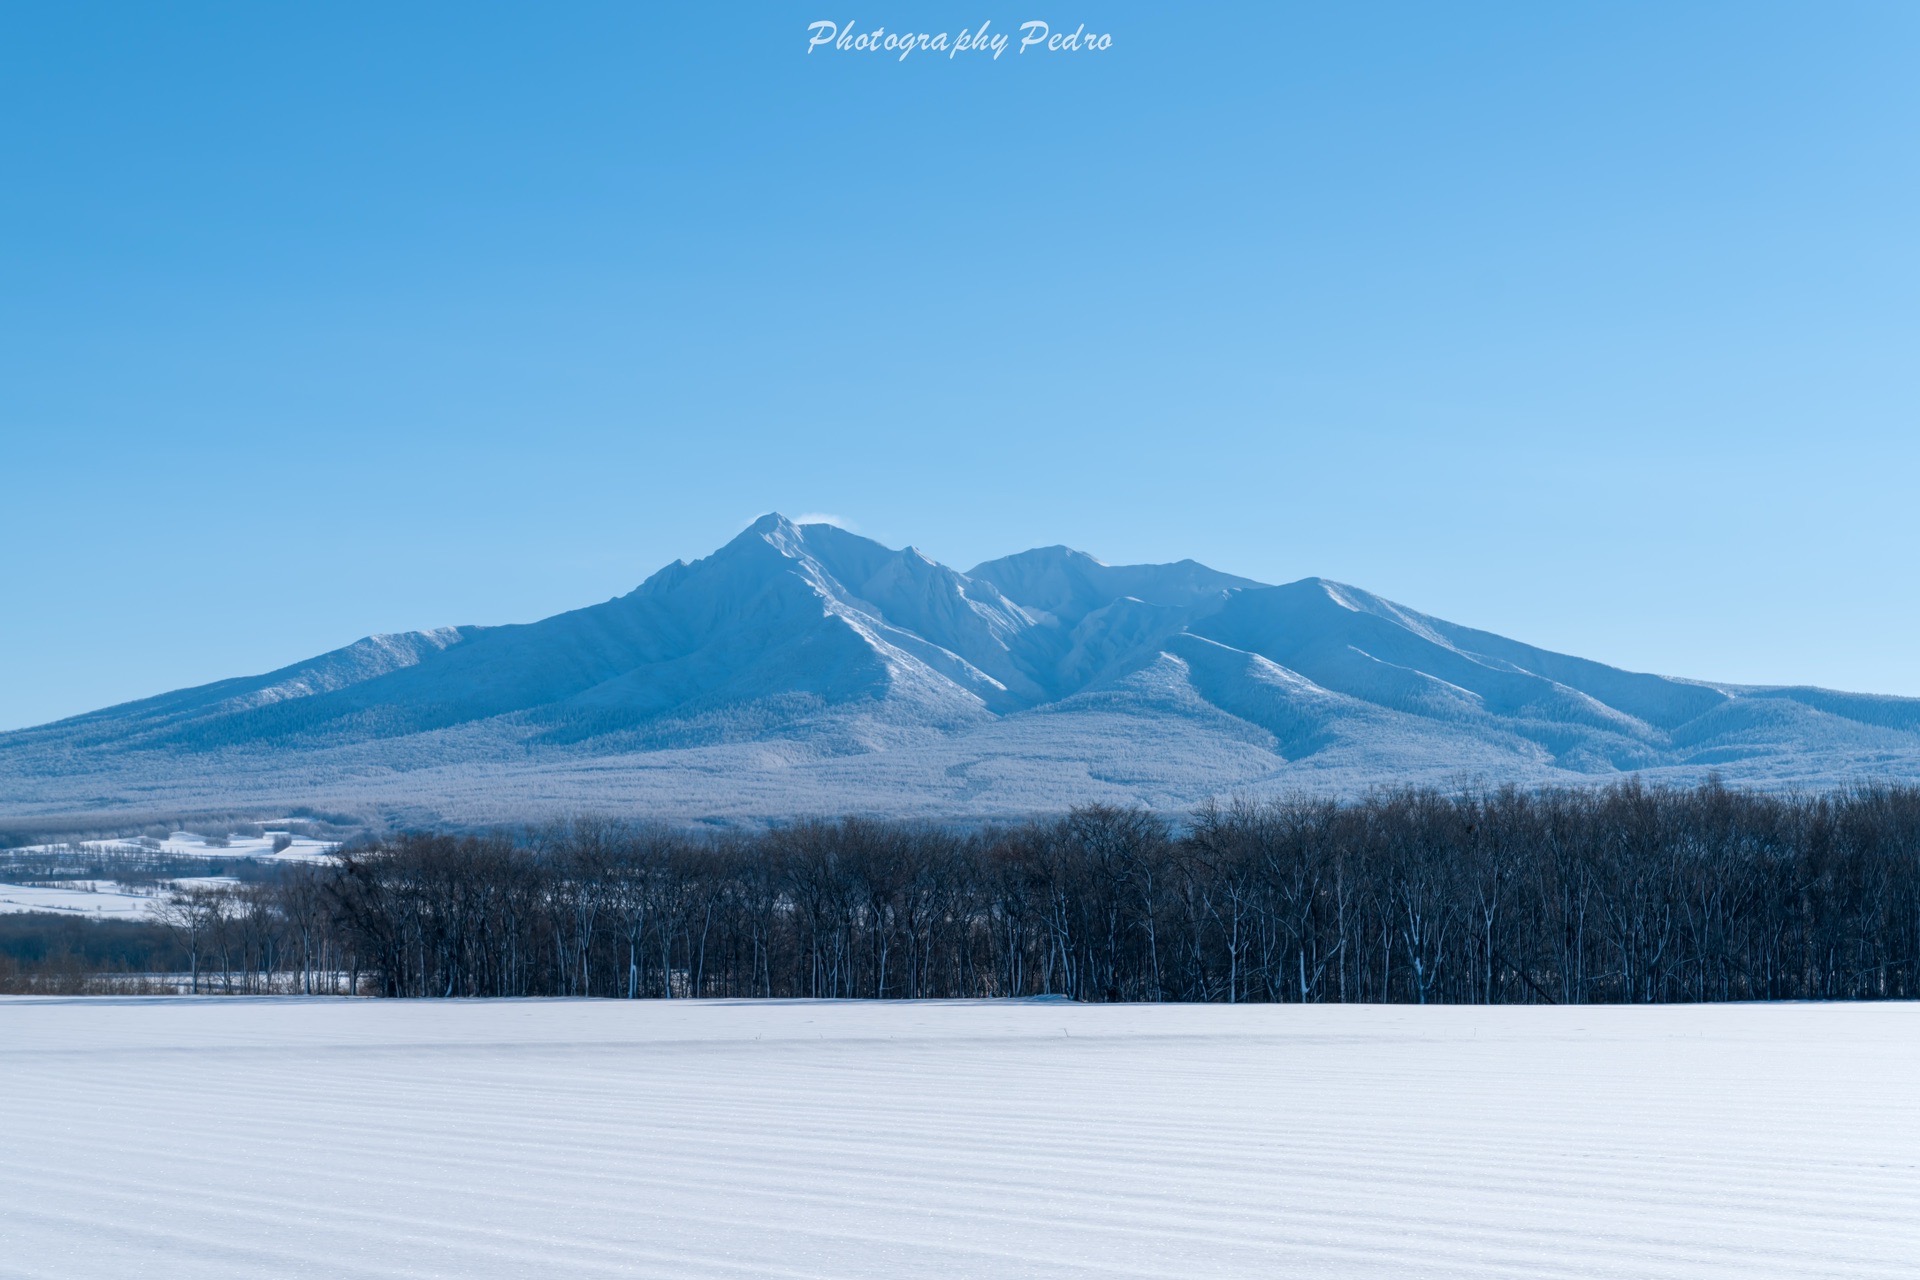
<point>1594,325</point>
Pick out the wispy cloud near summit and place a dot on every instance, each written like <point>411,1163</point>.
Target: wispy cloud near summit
<point>826,517</point>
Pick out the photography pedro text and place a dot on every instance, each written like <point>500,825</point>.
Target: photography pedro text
<point>982,40</point>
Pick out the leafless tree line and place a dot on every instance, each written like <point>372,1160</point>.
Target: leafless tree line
<point>1627,894</point>
<point>281,935</point>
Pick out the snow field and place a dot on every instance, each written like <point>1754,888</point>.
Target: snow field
<point>99,899</point>
<point>249,1137</point>
<point>182,844</point>
<point>109,899</point>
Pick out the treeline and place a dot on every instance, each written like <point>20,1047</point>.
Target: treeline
<point>1626,894</point>
<point>47,954</point>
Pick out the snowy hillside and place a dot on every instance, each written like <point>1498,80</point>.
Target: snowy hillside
<point>802,668</point>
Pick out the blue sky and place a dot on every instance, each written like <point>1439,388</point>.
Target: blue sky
<point>1592,325</point>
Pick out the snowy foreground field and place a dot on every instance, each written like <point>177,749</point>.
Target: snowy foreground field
<point>234,1137</point>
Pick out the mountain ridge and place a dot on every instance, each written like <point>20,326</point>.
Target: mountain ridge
<point>803,668</point>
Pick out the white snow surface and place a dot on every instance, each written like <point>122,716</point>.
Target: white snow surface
<point>184,844</point>
<point>260,848</point>
<point>249,1137</point>
<point>110,899</point>
<point>805,669</point>
<point>96,899</point>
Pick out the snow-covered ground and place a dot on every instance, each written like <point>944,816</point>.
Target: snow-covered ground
<point>182,844</point>
<point>109,899</point>
<point>301,848</point>
<point>98,899</point>
<point>231,1137</point>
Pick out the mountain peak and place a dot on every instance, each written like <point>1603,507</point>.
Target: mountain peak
<point>806,668</point>
<point>1067,584</point>
<point>771,527</point>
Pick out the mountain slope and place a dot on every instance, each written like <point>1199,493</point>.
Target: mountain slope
<point>803,668</point>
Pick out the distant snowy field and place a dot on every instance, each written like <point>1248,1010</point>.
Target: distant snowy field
<point>233,1137</point>
<point>111,900</point>
<point>183,844</point>
<point>95,899</point>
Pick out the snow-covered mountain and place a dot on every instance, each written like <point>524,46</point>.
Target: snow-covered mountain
<point>802,668</point>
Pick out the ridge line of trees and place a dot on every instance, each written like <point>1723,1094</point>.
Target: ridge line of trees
<point>1626,894</point>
